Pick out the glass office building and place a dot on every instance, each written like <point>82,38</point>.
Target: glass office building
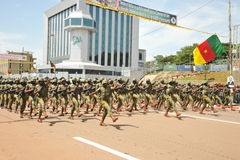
<point>114,44</point>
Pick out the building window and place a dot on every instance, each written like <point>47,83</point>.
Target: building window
<point>140,56</point>
<point>66,22</point>
<point>127,41</point>
<point>87,22</point>
<point>97,36</point>
<point>95,24</point>
<point>76,21</point>
<point>103,37</point>
<point>115,59</point>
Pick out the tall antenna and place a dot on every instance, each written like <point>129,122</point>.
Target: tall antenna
<point>230,37</point>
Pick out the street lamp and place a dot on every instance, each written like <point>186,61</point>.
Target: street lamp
<point>21,69</point>
<point>53,50</point>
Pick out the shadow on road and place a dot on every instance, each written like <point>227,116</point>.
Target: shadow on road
<point>52,123</point>
<point>119,126</point>
<point>184,117</point>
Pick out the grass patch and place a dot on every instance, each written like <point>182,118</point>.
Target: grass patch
<point>220,77</point>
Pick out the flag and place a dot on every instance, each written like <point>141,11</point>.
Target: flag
<point>53,65</point>
<point>8,73</point>
<point>208,50</point>
<point>32,68</point>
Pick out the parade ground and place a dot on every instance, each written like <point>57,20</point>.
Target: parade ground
<point>138,135</point>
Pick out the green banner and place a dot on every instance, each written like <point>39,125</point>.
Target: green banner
<point>136,10</point>
<point>147,13</point>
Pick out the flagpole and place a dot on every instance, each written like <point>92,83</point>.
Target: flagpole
<point>230,38</point>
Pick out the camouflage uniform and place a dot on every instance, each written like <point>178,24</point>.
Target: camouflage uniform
<point>121,98</point>
<point>62,91</point>
<point>10,95</point>
<point>41,92</point>
<point>22,97</point>
<point>73,93</point>
<point>133,93</point>
<point>30,96</point>
<point>105,92</point>
<point>86,91</point>
<point>206,100</point>
<point>52,90</point>
<point>171,99</point>
<point>2,93</point>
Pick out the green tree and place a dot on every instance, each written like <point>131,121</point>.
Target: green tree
<point>185,56</point>
<point>158,59</point>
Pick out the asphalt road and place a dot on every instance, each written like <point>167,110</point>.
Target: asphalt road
<point>139,135</point>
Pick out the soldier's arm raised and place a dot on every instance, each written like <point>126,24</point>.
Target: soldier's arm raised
<point>115,87</point>
<point>97,90</point>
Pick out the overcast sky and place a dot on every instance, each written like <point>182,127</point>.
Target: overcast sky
<point>22,24</point>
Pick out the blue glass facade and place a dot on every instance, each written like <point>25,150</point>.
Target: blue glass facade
<point>128,28</point>
<point>109,37</point>
<point>104,27</point>
<point>115,39</point>
<point>97,36</point>
<point>121,40</point>
<point>91,36</point>
<point>110,45</point>
<point>76,21</point>
<point>87,22</point>
<point>58,38</point>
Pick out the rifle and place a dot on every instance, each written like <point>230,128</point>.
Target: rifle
<point>72,94</point>
<point>5,91</point>
<point>37,94</point>
<point>20,93</point>
<point>87,91</point>
<point>63,92</point>
<point>12,90</point>
<point>54,92</point>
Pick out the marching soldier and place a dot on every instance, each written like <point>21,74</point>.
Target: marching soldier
<point>161,94</point>
<point>53,95</point>
<point>215,98</point>
<point>30,92</point>
<point>94,97</point>
<point>73,93</point>
<point>62,90</point>
<point>10,95</point>
<point>120,94</point>
<point>133,89</point>
<point>148,89</point>
<point>41,94</point>
<point>2,89</point>
<point>228,100</point>
<point>105,92</point>
<point>171,99</point>
<point>21,96</point>
<point>86,90</point>
<point>98,95</point>
<point>188,99</point>
<point>6,92</point>
<point>206,100</point>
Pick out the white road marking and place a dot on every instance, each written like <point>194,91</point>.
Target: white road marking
<point>105,148</point>
<point>211,119</point>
